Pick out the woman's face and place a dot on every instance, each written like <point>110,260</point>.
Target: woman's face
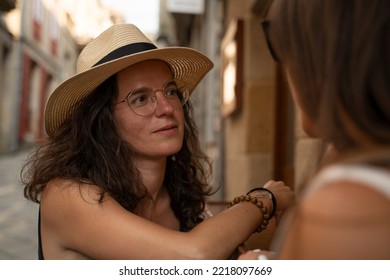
<point>308,125</point>
<point>159,134</point>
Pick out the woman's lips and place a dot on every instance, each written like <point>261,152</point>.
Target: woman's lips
<point>167,130</point>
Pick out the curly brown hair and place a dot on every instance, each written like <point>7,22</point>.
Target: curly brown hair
<point>87,149</point>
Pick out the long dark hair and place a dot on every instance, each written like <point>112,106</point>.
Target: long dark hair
<point>338,56</point>
<point>88,149</point>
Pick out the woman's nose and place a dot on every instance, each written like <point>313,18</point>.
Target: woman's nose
<point>163,105</point>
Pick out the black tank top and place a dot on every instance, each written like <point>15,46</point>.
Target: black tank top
<point>40,252</point>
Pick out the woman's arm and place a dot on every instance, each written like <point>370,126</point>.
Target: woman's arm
<point>108,231</point>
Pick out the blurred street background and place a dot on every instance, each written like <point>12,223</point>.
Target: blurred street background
<point>18,217</point>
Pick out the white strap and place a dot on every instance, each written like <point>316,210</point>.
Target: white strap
<point>374,177</point>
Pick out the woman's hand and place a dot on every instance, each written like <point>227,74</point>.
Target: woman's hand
<point>284,196</point>
<point>257,254</point>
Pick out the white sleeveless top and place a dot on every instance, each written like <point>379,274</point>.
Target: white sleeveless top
<point>374,177</point>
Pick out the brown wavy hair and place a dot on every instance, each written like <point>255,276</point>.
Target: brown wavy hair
<point>87,149</point>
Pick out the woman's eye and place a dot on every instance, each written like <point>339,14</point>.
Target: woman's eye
<point>171,92</point>
<point>138,99</point>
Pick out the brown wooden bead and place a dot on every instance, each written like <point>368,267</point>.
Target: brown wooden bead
<point>259,204</point>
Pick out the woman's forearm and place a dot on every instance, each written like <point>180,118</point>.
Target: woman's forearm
<point>221,234</point>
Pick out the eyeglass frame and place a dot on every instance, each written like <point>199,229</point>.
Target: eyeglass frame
<point>182,95</point>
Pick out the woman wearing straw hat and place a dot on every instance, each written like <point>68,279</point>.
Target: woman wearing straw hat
<point>121,174</point>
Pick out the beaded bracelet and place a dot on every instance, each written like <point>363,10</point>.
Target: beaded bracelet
<point>271,196</point>
<point>259,204</point>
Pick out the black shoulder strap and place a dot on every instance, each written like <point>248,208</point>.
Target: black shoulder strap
<point>40,252</point>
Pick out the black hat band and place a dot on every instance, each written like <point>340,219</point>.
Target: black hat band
<point>126,50</point>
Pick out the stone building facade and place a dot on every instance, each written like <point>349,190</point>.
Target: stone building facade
<point>43,44</point>
<point>6,46</point>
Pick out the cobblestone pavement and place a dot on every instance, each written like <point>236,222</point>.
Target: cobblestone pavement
<point>18,217</point>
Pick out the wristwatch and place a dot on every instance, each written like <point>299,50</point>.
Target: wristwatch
<point>266,193</point>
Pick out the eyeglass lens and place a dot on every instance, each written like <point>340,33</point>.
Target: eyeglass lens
<point>143,101</point>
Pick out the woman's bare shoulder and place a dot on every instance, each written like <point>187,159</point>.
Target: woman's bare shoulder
<point>336,221</point>
<point>76,221</point>
<point>66,189</point>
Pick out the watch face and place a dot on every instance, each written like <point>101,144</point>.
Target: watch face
<point>267,194</point>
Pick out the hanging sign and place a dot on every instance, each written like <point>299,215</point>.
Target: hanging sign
<point>186,6</point>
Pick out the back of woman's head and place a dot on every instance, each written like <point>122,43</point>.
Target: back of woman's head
<point>337,54</point>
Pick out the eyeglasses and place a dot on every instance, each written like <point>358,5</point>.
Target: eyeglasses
<point>265,25</point>
<point>143,101</point>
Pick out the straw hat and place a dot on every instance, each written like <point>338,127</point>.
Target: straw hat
<point>116,48</point>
